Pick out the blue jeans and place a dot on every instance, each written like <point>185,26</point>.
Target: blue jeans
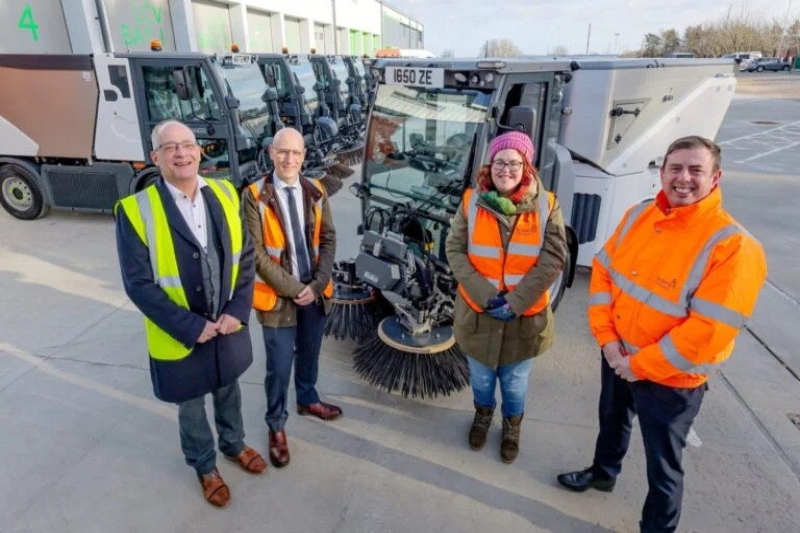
<point>513,385</point>
<point>197,441</point>
<point>295,345</point>
<point>665,417</point>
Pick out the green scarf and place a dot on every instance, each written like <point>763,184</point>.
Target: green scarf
<point>498,203</point>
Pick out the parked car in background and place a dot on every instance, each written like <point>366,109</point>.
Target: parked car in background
<point>768,63</point>
<point>743,59</point>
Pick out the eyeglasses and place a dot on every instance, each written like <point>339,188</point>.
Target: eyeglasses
<point>499,165</point>
<point>283,154</point>
<point>171,148</point>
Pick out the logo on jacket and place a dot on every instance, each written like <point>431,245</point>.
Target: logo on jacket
<point>664,284</point>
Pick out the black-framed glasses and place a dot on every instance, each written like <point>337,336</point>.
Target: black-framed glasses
<point>171,148</point>
<point>499,165</point>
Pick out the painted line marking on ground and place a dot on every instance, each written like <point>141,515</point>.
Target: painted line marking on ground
<point>723,143</point>
<point>767,153</point>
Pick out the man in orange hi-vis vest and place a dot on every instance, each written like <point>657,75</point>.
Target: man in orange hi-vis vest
<point>669,292</point>
<point>291,226</point>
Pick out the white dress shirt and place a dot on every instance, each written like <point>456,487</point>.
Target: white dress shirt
<point>297,194</point>
<point>193,210</point>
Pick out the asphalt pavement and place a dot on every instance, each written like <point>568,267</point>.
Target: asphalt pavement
<point>85,447</point>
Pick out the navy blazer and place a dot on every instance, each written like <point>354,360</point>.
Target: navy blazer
<point>215,363</point>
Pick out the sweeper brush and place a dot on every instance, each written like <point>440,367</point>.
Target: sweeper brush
<point>422,365</point>
<point>355,313</point>
<point>352,155</point>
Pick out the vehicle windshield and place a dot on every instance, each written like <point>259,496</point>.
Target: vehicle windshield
<point>340,71</point>
<point>418,148</point>
<point>304,72</point>
<point>246,83</point>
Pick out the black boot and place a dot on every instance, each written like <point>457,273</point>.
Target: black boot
<point>509,447</point>
<point>480,426</point>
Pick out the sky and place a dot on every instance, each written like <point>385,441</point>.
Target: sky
<point>538,27</point>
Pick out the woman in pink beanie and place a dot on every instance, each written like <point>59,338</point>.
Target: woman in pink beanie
<point>506,246</point>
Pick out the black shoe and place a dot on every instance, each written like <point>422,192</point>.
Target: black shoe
<point>583,479</point>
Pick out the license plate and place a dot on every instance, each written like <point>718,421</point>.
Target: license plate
<point>415,77</point>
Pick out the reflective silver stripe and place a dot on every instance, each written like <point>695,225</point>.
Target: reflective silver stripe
<point>222,184</point>
<point>602,256</point>
<point>274,252</point>
<point>719,313</point>
<point>677,359</point>
<point>531,250</point>
<point>170,281</point>
<point>513,279</point>
<point>146,210</point>
<point>634,214</point>
<point>600,298</point>
<point>495,282</point>
<point>236,257</point>
<point>490,252</point>
<point>699,266</point>
<point>646,297</point>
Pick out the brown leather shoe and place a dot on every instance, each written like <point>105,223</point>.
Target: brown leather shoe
<point>215,491</point>
<point>278,449</point>
<point>321,410</point>
<point>250,460</point>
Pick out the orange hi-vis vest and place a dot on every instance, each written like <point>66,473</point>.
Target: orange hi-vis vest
<point>675,286</point>
<point>505,268</point>
<point>264,296</point>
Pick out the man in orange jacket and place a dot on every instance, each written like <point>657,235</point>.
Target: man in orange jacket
<point>669,292</point>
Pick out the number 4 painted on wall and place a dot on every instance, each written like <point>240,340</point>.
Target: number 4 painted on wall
<point>26,22</point>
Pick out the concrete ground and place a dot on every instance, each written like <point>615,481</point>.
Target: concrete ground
<point>85,447</point>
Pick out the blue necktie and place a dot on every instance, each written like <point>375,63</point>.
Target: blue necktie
<point>300,248</point>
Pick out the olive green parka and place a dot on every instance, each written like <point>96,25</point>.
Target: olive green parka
<point>488,340</point>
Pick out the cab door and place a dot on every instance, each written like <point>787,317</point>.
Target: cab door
<point>184,90</point>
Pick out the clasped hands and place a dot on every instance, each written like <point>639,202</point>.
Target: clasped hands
<point>499,309</point>
<point>617,358</point>
<point>224,325</point>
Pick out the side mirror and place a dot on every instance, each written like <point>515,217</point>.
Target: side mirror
<point>522,118</point>
<point>270,95</point>
<point>231,102</point>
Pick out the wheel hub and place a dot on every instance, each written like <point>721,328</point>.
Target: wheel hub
<point>17,193</point>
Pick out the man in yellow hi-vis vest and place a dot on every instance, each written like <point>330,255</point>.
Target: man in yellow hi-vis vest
<point>187,264</point>
<point>291,226</point>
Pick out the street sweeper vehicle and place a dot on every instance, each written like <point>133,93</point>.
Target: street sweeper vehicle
<point>600,128</point>
<point>75,129</point>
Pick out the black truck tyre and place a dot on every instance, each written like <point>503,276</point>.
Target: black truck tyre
<point>20,193</point>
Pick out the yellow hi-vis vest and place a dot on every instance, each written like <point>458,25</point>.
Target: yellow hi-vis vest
<point>148,218</point>
<point>505,268</point>
<point>264,296</point>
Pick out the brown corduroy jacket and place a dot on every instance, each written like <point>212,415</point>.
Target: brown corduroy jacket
<point>279,277</point>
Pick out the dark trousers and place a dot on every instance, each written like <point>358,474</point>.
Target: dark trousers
<point>665,418</point>
<point>197,441</point>
<point>298,345</point>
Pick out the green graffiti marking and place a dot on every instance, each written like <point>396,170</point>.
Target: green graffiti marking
<point>146,24</point>
<point>27,23</point>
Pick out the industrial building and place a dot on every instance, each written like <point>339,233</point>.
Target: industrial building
<point>348,27</point>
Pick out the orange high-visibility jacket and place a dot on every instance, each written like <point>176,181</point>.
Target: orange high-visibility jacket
<point>505,268</point>
<point>675,286</point>
<point>264,296</point>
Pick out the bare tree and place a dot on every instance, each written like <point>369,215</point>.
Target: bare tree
<point>560,50</point>
<point>447,52</point>
<point>652,45</point>
<point>499,48</point>
<point>670,41</point>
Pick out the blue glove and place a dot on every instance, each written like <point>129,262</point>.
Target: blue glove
<point>499,309</point>
<point>503,313</point>
<point>497,301</point>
